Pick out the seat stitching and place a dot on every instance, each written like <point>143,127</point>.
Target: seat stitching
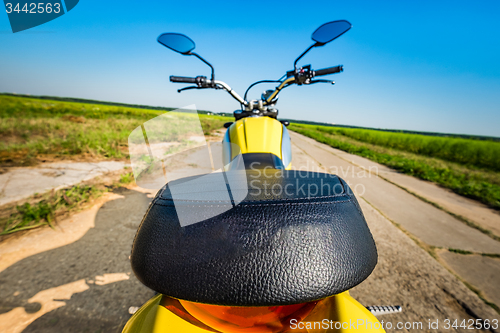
<point>276,204</point>
<point>284,199</point>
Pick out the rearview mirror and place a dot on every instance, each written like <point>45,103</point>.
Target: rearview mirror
<point>329,31</point>
<point>325,34</point>
<point>182,44</point>
<point>177,42</point>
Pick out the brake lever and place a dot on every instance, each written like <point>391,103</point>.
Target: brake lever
<point>198,87</point>
<point>188,88</point>
<point>321,81</point>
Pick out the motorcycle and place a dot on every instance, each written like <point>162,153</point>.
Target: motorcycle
<point>246,248</point>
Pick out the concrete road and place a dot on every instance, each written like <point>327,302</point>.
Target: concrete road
<point>83,283</point>
<point>20,183</point>
<point>404,226</point>
<point>78,278</point>
<point>430,224</point>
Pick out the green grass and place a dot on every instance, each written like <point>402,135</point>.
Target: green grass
<point>463,178</point>
<point>127,178</point>
<point>459,251</point>
<point>45,208</point>
<point>464,252</point>
<point>477,153</point>
<point>32,130</point>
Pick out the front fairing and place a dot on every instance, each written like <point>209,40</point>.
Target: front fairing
<point>339,313</point>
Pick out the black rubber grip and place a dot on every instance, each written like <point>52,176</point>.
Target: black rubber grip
<point>330,70</point>
<point>183,79</point>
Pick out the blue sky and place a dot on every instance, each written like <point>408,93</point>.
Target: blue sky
<point>420,65</point>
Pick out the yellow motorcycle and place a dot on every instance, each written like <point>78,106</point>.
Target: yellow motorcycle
<point>256,246</point>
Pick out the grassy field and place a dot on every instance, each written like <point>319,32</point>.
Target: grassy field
<point>35,130</point>
<point>476,153</point>
<point>468,167</point>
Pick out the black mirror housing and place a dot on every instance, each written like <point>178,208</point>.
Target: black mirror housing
<point>177,42</point>
<point>325,34</point>
<point>330,31</point>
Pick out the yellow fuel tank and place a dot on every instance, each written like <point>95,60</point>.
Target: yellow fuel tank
<point>260,135</point>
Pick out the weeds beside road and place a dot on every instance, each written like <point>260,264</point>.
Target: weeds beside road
<point>45,209</point>
<point>469,179</point>
<point>34,130</point>
<point>468,152</point>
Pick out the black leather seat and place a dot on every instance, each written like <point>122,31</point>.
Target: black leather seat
<point>304,242</point>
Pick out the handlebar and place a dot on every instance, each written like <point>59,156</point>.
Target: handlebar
<point>203,82</point>
<point>330,70</point>
<point>302,77</point>
<point>183,79</point>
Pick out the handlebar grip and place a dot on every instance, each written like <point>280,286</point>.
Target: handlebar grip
<point>182,79</point>
<point>330,70</point>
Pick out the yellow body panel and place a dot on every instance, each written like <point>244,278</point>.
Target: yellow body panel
<point>343,314</point>
<point>154,318</point>
<point>257,135</point>
<point>339,313</point>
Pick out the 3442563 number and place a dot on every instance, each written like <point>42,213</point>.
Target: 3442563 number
<point>471,324</point>
<point>34,8</point>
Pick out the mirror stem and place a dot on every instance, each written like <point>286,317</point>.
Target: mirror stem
<point>304,53</point>
<point>206,62</point>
